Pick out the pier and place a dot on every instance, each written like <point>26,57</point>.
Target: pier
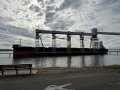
<point>96,46</point>
<point>114,52</point>
<point>94,41</point>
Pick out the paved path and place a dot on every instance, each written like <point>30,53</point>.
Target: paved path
<point>76,81</point>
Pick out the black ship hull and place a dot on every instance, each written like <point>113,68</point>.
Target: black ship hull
<point>21,52</point>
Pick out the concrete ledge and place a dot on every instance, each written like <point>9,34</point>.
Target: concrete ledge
<point>13,72</point>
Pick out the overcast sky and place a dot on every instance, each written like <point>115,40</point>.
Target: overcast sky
<point>20,18</point>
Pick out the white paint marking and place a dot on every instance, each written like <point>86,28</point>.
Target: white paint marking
<point>54,87</point>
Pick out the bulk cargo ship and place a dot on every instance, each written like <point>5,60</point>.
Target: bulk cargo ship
<point>96,47</point>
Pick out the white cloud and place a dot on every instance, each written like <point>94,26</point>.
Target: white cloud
<point>72,15</point>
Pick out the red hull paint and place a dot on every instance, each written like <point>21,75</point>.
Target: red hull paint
<point>21,52</point>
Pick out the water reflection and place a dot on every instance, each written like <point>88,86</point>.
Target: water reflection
<point>82,61</point>
<point>68,61</point>
<point>97,60</point>
<point>40,63</point>
<point>54,62</point>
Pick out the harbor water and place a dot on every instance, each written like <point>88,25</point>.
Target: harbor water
<point>66,61</point>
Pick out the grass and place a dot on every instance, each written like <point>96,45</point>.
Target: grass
<point>111,68</point>
<point>115,68</point>
<point>69,70</point>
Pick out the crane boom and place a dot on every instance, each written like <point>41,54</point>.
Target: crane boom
<point>62,32</point>
<point>109,33</point>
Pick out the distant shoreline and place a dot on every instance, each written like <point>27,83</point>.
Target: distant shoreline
<point>6,49</point>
